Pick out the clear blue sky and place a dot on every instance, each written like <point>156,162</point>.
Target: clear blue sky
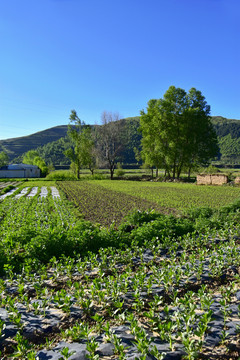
<point>113,55</point>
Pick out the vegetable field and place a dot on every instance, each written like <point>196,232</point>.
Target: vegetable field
<point>102,205</point>
<point>117,198</point>
<point>155,287</point>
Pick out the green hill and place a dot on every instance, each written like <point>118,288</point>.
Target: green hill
<point>15,147</point>
<point>228,132</point>
<point>52,142</point>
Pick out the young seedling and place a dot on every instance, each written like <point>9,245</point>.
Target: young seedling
<point>92,346</point>
<point>98,322</point>
<point>22,348</point>
<point>118,346</point>
<point>66,353</point>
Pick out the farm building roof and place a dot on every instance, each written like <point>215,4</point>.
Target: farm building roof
<point>18,167</point>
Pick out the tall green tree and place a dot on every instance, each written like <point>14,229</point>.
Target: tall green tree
<point>32,158</point>
<point>177,132</point>
<point>82,152</point>
<point>3,158</point>
<point>28,157</point>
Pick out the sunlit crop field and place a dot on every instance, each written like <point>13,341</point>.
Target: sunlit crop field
<point>153,288</point>
<point>175,195</point>
<point>106,201</point>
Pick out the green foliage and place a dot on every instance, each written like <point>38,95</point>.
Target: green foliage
<point>51,143</point>
<point>155,275</point>
<point>52,229</point>
<point>229,149</point>
<point>177,132</point>
<point>82,153</point>
<point>61,175</point>
<point>16,147</point>
<point>136,218</point>
<point>6,189</point>
<point>169,197</point>
<point>29,157</point>
<point>226,127</point>
<point>4,159</point>
<point>53,152</point>
<point>202,212</point>
<point>119,171</point>
<point>32,158</point>
<point>163,229</point>
<point>91,198</point>
<point>210,170</point>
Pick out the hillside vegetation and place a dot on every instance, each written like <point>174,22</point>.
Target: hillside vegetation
<point>18,146</point>
<point>52,142</point>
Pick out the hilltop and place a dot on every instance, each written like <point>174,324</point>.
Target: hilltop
<point>17,146</point>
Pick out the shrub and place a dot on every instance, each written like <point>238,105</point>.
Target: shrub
<point>61,175</point>
<point>119,171</point>
<point>137,217</point>
<point>7,189</point>
<point>201,212</point>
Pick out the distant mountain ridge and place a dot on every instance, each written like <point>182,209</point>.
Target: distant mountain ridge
<point>52,142</point>
<point>17,146</point>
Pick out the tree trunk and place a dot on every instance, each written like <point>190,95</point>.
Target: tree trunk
<point>156,172</point>
<point>78,171</point>
<point>92,170</point>
<point>112,172</point>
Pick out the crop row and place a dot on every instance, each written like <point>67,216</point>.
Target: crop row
<point>26,221</point>
<point>145,302</point>
<point>161,291</point>
<point>178,196</point>
<point>31,191</point>
<point>101,205</point>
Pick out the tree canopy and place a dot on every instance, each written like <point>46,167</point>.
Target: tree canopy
<point>82,152</point>
<point>3,158</point>
<point>32,158</point>
<point>177,133</point>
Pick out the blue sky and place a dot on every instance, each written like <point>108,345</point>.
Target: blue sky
<point>96,55</point>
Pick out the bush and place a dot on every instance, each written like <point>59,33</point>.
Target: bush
<point>119,171</point>
<point>7,189</point>
<point>61,175</point>
<point>201,212</point>
<point>136,218</point>
<point>166,227</point>
<point>210,170</point>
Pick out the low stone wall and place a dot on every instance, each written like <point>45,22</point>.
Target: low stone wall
<point>212,179</point>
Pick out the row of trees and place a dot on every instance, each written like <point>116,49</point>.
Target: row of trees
<point>177,135</point>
